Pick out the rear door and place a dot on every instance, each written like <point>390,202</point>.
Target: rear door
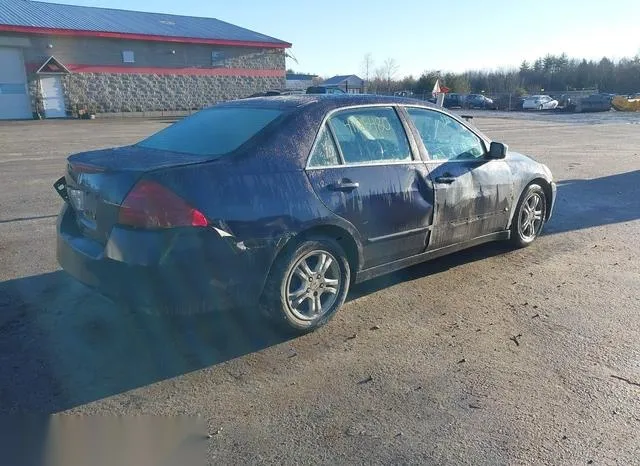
<point>367,170</point>
<point>473,194</point>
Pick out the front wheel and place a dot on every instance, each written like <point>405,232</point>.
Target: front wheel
<point>307,285</point>
<point>529,217</point>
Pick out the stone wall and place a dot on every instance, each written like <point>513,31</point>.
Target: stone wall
<point>138,91</point>
<point>35,94</point>
<point>111,92</point>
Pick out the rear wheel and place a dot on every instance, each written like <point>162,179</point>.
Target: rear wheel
<point>307,285</point>
<point>529,217</point>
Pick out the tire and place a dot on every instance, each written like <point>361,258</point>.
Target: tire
<point>541,107</point>
<point>529,217</point>
<point>318,296</point>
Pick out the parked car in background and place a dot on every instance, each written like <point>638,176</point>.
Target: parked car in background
<point>281,203</point>
<point>324,90</point>
<point>479,101</point>
<point>595,103</point>
<point>567,102</point>
<point>454,100</point>
<point>507,102</point>
<point>539,102</point>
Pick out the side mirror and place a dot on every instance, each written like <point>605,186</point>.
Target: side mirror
<point>497,150</point>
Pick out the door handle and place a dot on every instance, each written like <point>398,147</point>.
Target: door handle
<point>344,185</point>
<point>445,179</point>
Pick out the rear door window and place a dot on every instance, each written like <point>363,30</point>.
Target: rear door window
<point>367,135</point>
<point>212,132</point>
<point>325,152</point>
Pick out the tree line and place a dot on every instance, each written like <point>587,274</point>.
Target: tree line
<point>552,73</point>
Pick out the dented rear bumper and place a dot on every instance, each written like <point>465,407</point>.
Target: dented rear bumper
<point>175,267</point>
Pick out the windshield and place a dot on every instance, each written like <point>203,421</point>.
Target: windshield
<point>212,132</point>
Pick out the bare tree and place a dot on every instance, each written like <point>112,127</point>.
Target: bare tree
<point>380,73</point>
<point>378,81</point>
<point>367,67</point>
<point>390,68</point>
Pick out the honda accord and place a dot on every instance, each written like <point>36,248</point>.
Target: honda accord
<point>281,203</point>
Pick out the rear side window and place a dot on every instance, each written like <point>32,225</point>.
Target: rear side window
<point>212,132</point>
<point>325,153</point>
<point>368,135</point>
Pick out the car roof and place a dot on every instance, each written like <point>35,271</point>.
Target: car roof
<point>328,101</point>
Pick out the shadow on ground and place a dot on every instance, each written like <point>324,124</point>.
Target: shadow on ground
<point>62,345</point>
<point>599,201</point>
<point>580,204</point>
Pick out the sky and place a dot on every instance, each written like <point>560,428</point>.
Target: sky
<point>331,37</point>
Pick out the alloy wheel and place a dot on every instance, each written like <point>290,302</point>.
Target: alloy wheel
<point>313,285</point>
<point>531,216</point>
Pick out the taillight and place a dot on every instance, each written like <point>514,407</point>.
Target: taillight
<point>151,205</point>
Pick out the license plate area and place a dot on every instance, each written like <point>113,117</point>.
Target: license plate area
<point>61,188</point>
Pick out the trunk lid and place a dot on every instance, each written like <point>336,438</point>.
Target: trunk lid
<point>97,183</point>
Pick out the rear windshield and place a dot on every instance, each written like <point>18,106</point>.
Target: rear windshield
<point>211,132</point>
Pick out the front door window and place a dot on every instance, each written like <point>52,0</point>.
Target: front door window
<point>445,138</point>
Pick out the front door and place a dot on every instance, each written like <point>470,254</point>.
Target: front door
<point>52,96</point>
<point>473,194</point>
<point>363,169</point>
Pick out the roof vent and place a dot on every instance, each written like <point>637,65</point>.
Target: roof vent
<point>168,23</point>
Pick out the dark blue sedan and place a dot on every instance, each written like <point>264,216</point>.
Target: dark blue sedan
<point>286,201</point>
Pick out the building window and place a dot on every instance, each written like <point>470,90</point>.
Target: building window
<point>217,58</point>
<point>128,56</point>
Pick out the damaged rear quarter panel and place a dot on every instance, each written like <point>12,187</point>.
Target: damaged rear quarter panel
<point>260,210</point>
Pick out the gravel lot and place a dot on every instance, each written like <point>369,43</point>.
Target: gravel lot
<point>487,356</point>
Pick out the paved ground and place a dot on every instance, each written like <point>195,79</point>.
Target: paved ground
<point>487,356</point>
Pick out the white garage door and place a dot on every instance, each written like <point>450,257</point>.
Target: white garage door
<point>14,98</point>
